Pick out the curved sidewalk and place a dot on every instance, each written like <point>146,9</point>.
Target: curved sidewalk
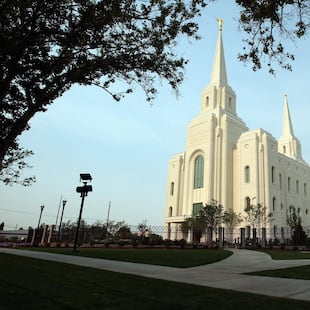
<point>226,274</point>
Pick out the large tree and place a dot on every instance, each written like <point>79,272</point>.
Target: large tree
<point>46,46</point>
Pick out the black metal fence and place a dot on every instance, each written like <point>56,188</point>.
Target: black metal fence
<point>238,236</point>
<point>241,235</point>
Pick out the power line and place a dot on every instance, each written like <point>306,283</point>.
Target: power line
<point>47,215</point>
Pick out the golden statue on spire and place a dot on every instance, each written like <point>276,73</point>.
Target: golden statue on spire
<point>220,21</point>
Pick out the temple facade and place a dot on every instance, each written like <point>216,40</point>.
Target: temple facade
<point>226,163</point>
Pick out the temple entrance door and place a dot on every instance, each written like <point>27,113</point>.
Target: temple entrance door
<point>197,235</point>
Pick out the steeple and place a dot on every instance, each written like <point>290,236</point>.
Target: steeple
<point>288,144</point>
<point>218,94</point>
<point>287,130</point>
<point>219,75</point>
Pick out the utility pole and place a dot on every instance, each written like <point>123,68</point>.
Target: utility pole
<point>107,224</point>
<point>58,211</point>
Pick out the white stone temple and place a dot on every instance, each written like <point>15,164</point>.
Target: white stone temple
<point>226,162</point>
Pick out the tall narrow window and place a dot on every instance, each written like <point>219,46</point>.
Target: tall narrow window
<point>170,211</point>
<point>273,203</point>
<point>280,180</point>
<point>284,149</point>
<point>272,174</point>
<point>247,174</point>
<point>289,184</point>
<point>305,189</point>
<point>172,188</point>
<point>169,231</point>
<point>207,101</point>
<point>297,187</point>
<point>198,172</point>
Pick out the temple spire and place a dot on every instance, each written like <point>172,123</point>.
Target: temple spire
<point>287,130</point>
<point>219,75</point>
<point>218,95</point>
<point>288,144</point>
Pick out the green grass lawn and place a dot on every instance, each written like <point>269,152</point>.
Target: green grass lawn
<point>27,283</point>
<point>181,258</point>
<point>287,254</point>
<point>302,272</point>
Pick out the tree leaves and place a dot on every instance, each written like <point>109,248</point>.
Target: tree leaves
<point>267,24</point>
<point>47,46</point>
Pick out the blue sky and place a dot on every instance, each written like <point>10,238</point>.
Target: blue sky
<point>126,145</point>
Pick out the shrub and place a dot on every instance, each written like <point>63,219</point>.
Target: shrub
<point>195,245</point>
<point>167,243</point>
<point>156,239</point>
<point>307,242</point>
<point>134,243</point>
<point>299,236</point>
<point>182,243</point>
<point>121,243</point>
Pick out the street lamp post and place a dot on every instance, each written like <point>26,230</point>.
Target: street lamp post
<point>42,207</point>
<point>83,190</point>
<point>62,213</point>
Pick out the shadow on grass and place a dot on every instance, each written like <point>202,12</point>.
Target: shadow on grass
<point>27,283</point>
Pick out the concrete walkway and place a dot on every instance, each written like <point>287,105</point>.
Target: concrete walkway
<point>226,274</point>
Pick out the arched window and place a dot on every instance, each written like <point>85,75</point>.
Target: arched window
<point>273,203</point>
<point>247,174</point>
<point>247,202</point>
<point>170,211</point>
<point>289,184</point>
<point>284,149</point>
<point>207,101</point>
<point>272,174</point>
<point>198,172</point>
<point>172,188</point>
<point>280,180</point>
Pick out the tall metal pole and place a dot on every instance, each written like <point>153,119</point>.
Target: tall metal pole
<point>107,224</point>
<point>58,210</point>
<point>62,213</point>
<point>42,207</point>
<point>83,194</point>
